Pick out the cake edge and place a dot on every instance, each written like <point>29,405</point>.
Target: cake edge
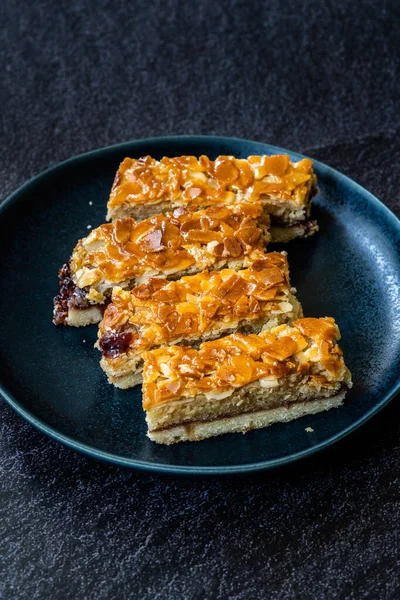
<point>201,430</point>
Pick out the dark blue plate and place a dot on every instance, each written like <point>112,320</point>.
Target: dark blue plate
<point>51,376</point>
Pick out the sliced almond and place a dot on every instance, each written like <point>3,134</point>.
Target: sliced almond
<point>232,289</point>
<point>191,224</point>
<point>225,170</point>
<point>151,241</point>
<point>232,247</point>
<point>122,230</point>
<point>202,237</point>
<point>248,235</point>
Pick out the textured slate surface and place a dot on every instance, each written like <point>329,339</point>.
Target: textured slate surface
<point>317,77</point>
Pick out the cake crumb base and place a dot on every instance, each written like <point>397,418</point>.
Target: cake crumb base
<point>246,422</point>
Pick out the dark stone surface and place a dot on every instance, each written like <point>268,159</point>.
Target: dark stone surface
<point>317,77</point>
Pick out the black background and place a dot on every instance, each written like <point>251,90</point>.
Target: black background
<point>319,77</point>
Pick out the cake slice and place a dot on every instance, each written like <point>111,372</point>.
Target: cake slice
<point>144,186</point>
<point>191,310</point>
<point>128,253</point>
<point>243,382</point>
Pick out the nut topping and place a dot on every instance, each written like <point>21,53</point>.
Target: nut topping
<point>159,311</point>
<point>186,179</point>
<point>122,230</point>
<point>151,241</point>
<point>237,360</point>
<point>232,247</point>
<point>233,288</point>
<point>166,244</point>
<point>147,290</point>
<point>248,235</point>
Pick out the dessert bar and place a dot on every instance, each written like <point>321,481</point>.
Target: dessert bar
<point>191,310</point>
<point>243,382</point>
<point>128,253</point>
<point>145,186</point>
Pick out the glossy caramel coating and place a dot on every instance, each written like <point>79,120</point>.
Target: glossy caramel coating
<point>204,182</point>
<point>166,244</point>
<point>307,349</point>
<point>158,312</point>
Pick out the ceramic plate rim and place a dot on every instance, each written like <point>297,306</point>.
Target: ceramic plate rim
<point>182,469</point>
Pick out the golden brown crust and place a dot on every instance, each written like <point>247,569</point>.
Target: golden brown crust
<point>160,312</point>
<point>166,245</point>
<point>189,180</point>
<point>308,349</point>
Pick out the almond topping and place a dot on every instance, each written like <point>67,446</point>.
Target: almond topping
<point>233,288</point>
<point>122,230</point>
<point>225,170</point>
<point>203,182</point>
<point>268,187</point>
<point>232,247</point>
<point>202,237</point>
<point>236,360</point>
<point>151,241</point>
<point>317,328</point>
<point>146,290</point>
<point>248,235</point>
<point>164,310</point>
<point>192,193</point>
<point>191,224</point>
<point>269,276</point>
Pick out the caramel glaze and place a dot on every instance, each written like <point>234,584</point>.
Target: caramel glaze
<point>167,244</point>
<point>307,349</point>
<point>204,182</point>
<point>159,311</point>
